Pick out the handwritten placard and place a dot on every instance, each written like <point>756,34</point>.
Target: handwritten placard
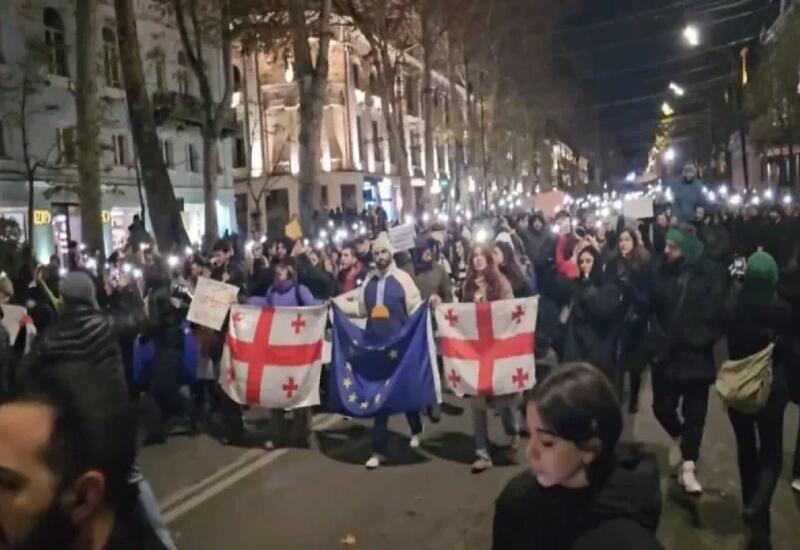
<point>402,236</point>
<point>638,209</point>
<point>211,302</point>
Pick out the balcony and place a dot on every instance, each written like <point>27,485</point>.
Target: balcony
<point>188,109</point>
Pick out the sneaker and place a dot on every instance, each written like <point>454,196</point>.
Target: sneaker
<point>414,443</point>
<point>675,455</point>
<point>373,462</point>
<point>481,465</point>
<point>796,484</point>
<point>269,445</point>
<point>687,479</point>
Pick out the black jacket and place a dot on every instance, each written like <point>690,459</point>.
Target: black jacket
<point>751,321</point>
<point>687,307</point>
<point>626,509</point>
<point>6,361</point>
<point>86,333</point>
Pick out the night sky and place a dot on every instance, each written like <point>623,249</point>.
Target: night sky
<point>622,55</point>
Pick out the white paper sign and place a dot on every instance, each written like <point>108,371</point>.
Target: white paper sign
<point>638,208</point>
<point>402,237</point>
<point>211,302</point>
<point>12,320</point>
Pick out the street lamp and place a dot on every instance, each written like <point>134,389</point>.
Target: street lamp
<point>692,35</point>
<point>667,110</point>
<point>678,90</point>
<point>669,155</point>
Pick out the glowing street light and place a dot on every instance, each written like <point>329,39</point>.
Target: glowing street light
<point>669,155</point>
<point>667,110</point>
<point>678,90</point>
<point>692,35</point>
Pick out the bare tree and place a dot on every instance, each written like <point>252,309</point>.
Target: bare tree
<point>164,208</point>
<point>202,23</point>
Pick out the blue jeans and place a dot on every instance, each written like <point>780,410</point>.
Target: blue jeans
<point>480,423</point>
<point>380,431</point>
<point>148,502</point>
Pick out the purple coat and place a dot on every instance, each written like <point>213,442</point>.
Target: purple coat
<point>280,295</point>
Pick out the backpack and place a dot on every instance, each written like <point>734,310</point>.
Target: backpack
<point>744,384</point>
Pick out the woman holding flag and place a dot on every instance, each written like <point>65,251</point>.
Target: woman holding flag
<point>485,283</point>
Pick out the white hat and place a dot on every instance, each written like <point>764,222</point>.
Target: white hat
<point>504,237</point>
<point>382,242</point>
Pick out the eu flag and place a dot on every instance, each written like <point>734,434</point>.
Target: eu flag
<point>372,376</point>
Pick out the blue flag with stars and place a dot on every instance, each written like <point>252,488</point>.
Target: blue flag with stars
<point>371,376</point>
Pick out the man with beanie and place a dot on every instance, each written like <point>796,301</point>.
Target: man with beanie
<point>387,298</point>
<point>431,276</point>
<point>688,295</point>
<point>755,318</point>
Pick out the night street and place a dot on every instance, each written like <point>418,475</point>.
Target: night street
<point>218,497</point>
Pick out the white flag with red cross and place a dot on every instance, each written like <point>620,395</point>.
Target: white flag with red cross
<point>487,348</point>
<point>273,356</point>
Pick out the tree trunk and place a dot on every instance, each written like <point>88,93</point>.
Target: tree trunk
<point>427,106</point>
<point>309,135</point>
<point>210,192</point>
<point>456,124</point>
<point>163,207</point>
<point>88,125</point>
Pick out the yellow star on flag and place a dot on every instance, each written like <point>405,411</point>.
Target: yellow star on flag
<point>347,383</point>
<point>365,405</point>
<point>353,398</point>
<point>393,354</point>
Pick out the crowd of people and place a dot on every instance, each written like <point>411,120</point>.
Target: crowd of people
<point>621,295</point>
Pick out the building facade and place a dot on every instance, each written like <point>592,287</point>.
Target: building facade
<point>48,26</point>
<point>357,165</point>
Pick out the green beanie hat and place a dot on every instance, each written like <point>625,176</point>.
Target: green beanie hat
<point>686,241</point>
<point>761,270</point>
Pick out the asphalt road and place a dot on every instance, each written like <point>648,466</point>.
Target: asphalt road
<point>217,497</point>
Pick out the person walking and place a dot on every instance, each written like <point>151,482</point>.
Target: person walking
<point>388,298</point>
<point>688,296</point>
<point>755,318</point>
<point>485,283</point>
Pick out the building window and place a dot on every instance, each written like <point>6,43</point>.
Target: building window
<point>55,43</point>
<point>120,146</point>
<point>356,79</point>
<point>191,158</point>
<point>183,82</point>
<point>168,152</point>
<point>3,151</point>
<point>67,153</point>
<point>237,79</point>
<point>411,95</point>
<point>416,151</point>
<point>360,140</point>
<point>110,58</point>
<point>377,143</point>
<point>161,71</point>
<point>183,61</point>
<point>239,153</point>
<point>441,159</point>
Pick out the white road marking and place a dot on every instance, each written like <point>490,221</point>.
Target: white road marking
<point>177,504</point>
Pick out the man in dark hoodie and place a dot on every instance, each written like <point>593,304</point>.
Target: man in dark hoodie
<point>431,278</point>
<point>688,296</point>
<point>535,235</point>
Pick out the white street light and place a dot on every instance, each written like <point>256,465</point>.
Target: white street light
<point>667,110</point>
<point>678,90</point>
<point>669,155</point>
<point>692,35</point>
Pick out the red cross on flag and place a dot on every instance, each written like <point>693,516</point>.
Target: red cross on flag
<point>273,356</point>
<point>487,348</point>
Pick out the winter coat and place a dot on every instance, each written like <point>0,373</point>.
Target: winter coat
<point>318,281</point>
<point>634,280</point>
<point>625,509</point>
<point>85,333</point>
<point>164,320</point>
<point>350,279</point>
<point>685,198</point>
<point>751,322</point>
<point>590,332</point>
<point>290,295</point>
<point>434,280</point>
<point>687,304</point>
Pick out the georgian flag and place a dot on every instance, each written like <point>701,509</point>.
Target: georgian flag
<point>488,348</point>
<point>273,356</point>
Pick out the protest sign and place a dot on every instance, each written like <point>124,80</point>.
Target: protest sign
<point>638,209</point>
<point>402,237</point>
<point>549,202</point>
<point>211,302</point>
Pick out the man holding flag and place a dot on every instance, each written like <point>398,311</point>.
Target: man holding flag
<point>385,369</point>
